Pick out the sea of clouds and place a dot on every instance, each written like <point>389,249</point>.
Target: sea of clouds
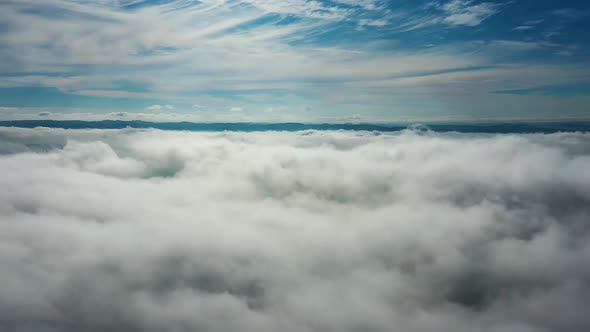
<point>148,230</point>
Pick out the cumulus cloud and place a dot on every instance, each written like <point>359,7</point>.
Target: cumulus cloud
<point>144,230</point>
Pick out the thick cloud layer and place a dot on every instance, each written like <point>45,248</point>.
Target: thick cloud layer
<point>144,230</point>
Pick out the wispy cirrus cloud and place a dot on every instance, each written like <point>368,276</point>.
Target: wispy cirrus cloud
<point>293,53</point>
<point>257,53</point>
<point>452,13</point>
<point>467,12</point>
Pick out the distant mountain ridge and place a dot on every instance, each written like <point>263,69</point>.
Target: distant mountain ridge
<point>488,127</point>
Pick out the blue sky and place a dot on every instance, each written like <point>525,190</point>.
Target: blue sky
<point>295,60</point>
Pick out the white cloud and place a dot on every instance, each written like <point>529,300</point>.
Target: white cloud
<point>366,4</point>
<point>156,108</point>
<point>373,23</point>
<point>8,109</point>
<point>321,231</point>
<point>523,28</point>
<point>160,56</point>
<point>306,8</point>
<point>236,109</point>
<point>198,48</point>
<point>465,12</point>
<point>454,13</point>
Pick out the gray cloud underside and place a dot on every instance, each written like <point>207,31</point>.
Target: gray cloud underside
<point>143,230</point>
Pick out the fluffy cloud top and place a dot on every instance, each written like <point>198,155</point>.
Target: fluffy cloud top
<point>144,230</point>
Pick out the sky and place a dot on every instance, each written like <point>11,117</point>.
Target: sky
<point>295,60</point>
